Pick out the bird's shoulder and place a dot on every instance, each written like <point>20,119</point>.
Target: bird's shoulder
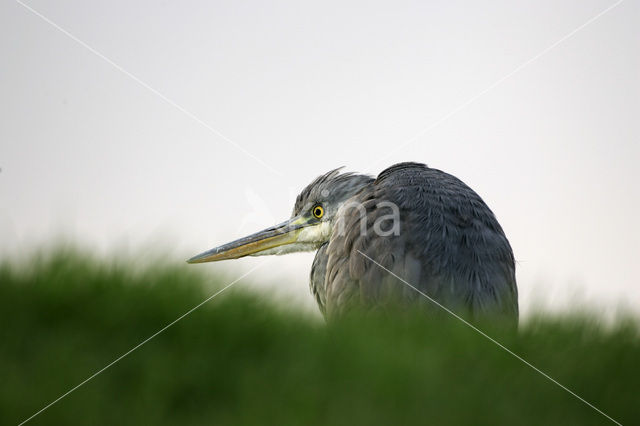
<point>447,236</point>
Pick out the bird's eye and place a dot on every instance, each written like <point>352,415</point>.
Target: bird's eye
<point>318,211</point>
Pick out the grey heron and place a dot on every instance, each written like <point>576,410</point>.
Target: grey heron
<point>413,222</point>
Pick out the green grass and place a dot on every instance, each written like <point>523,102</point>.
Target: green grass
<point>241,360</point>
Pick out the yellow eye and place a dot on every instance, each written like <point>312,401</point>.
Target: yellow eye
<point>318,211</point>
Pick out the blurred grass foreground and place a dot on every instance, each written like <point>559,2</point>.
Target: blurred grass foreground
<point>242,360</point>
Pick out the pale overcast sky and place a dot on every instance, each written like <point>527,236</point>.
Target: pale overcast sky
<point>535,105</point>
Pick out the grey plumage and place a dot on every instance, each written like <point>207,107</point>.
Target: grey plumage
<point>422,224</point>
<point>450,246</point>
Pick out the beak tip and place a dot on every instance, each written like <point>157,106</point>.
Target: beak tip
<point>195,259</point>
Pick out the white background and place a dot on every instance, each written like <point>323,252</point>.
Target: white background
<point>90,154</point>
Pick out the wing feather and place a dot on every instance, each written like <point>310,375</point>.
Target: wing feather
<point>450,246</point>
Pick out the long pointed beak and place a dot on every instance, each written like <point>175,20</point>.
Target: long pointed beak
<point>275,236</point>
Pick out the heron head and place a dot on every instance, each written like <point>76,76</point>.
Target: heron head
<point>309,227</point>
